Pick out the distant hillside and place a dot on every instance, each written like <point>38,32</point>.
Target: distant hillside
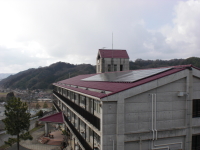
<point>142,64</point>
<point>42,78</point>
<point>4,75</point>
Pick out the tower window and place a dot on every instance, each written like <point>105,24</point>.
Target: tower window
<point>121,67</point>
<point>115,67</point>
<point>109,67</point>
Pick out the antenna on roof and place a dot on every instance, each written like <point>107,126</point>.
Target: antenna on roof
<point>112,40</point>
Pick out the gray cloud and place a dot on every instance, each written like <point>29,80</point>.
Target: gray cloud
<point>38,33</point>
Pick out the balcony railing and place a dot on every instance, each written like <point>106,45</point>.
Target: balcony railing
<point>95,121</point>
<point>58,108</point>
<point>77,134</point>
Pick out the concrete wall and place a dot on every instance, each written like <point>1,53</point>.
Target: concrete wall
<point>109,124</point>
<point>170,108</point>
<point>170,115</point>
<point>136,120</point>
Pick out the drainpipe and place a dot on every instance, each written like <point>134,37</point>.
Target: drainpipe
<point>140,143</point>
<point>113,145</point>
<point>152,117</point>
<point>155,116</point>
<point>167,145</point>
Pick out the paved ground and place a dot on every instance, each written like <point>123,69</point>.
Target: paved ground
<point>14,147</point>
<point>58,138</point>
<point>35,145</point>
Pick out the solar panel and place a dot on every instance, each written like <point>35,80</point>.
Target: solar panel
<point>125,76</point>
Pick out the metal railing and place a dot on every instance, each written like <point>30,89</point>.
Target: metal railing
<point>95,121</point>
<point>73,129</point>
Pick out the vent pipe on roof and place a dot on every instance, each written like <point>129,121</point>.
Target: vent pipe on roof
<point>112,40</point>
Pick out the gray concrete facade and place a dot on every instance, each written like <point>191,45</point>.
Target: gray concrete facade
<point>153,116</point>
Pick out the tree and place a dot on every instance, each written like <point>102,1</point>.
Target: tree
<point>17,121</point>
<point>53,108</point>
<point>45,105</point>
<point>40,113</point>
<point>10,96</point>
<point>37,106</point>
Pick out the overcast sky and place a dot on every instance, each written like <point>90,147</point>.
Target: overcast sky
<point>37,33</point>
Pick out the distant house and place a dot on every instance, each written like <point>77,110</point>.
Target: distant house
<point>147,109</point>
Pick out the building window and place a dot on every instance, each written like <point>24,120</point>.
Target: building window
<point>195,142</point>
<point>83,102</point>
<point>76,97</point>
<point>96,106</point>
<point>196,108</point>
<point>109,67</point>
<point>115,67</point>
<point>121,67</point>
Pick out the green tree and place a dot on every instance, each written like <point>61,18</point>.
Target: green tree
<point>40,113</point>
<point>17,121</point>
<point>45,105</point>
<point>53,108</point>
<point>37,106</point>
<point>10,96</point>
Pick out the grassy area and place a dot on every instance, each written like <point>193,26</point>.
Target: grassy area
<point>3,94</point>
<point>36,128</point>
<point>3,147</point>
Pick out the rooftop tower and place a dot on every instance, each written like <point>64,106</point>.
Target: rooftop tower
<point>110,60</point>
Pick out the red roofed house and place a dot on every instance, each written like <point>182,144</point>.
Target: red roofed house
<point>112,60</point>
<point>147,109</point>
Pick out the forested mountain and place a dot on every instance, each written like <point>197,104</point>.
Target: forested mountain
<point>142,64</point>
<point>43,77</point>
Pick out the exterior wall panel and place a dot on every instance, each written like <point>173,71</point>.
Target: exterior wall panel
<point>109,124</point>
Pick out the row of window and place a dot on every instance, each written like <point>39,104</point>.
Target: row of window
<point>114,68</point>
<point>89,104</point>
<point>82,141</point>
<point>86,132</point>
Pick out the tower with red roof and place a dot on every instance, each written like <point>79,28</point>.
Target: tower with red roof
<point>110,60</point>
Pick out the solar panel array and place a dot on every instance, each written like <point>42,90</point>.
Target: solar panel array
<point>125,76</point>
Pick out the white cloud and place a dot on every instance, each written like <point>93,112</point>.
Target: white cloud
<point>38,33</point>
<point>184,35</point>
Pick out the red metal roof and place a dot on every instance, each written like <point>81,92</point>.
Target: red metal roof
<point>105,53</point>
<point>113,87</point>
<point>57,118</point>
